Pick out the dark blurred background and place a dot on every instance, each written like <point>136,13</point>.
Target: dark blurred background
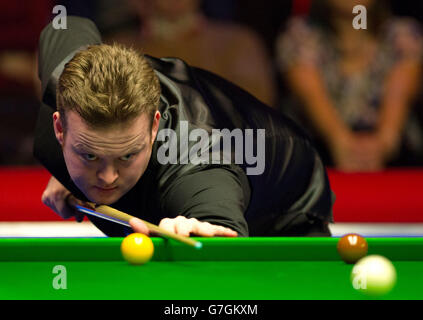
<point>257,23</point>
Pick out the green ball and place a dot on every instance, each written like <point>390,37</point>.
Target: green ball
<point>374,275</point>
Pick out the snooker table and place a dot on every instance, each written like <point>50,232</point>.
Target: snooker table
<point>224,269</point>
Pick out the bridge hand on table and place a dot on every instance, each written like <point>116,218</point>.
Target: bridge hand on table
<point>186,227</point>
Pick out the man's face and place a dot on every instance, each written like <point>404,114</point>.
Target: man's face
<point>106,163</point>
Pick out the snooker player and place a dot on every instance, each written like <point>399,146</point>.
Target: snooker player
<point>99,133</point>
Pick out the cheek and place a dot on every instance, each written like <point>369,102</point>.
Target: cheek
<point>78,171</point>
<point>142,162</point>
<point>140,165</point>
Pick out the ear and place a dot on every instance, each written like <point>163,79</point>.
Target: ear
<point>155,126</point>
<point>58,128</point>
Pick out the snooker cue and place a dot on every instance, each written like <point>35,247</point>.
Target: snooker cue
<point>113,213</point>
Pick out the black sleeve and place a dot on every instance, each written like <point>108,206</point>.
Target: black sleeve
<point>294,187</point>
<point>219,195</point>
<point>307,198</point>
<point>312,194</point>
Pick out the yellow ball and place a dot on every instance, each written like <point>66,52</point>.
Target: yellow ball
<point>374,275</point>
<point>137,248</point>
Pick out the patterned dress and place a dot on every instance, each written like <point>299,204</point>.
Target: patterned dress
<point>356,95</point>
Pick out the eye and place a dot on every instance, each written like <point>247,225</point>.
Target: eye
<point>89,157</point>
<point>127,157</point>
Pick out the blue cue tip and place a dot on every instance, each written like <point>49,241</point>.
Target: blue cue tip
<point>198,245</point>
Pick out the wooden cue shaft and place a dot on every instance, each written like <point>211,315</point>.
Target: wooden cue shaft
<point>111,212</point>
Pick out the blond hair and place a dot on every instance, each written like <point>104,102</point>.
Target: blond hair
<point>106,85</point>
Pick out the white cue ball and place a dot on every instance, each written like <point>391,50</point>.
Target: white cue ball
<point>374,275</point>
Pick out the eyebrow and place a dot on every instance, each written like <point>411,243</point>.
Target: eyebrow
<point>79,147</point>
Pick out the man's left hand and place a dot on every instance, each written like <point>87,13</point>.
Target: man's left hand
<point>186,227</point>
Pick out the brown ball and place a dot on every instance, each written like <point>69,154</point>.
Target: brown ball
<point>352,247</point>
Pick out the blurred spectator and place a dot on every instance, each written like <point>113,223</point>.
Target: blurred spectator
<point>353,88</point>
<point>179,29</point>
<point>20,25</point>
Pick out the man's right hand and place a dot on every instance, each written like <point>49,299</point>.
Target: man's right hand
<point>54,196</point>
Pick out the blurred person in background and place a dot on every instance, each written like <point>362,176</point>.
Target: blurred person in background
<point>179,29</point>
<point>20,26</point>
<point>355,89</point>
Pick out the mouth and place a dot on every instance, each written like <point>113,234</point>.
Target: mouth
<point>105,190</point>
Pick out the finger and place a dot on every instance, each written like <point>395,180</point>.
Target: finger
<point>203,229</point>
<point>221,231</point>
<point>138,226</point>
<point>79,217</point>
<point>168,225</point>
<point>66,212</point>
<point>44,198</point>
<point>64,209</point>
<point>184,226</point>
<point>72,202</point>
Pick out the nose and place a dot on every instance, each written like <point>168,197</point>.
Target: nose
<point>107,176</point>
